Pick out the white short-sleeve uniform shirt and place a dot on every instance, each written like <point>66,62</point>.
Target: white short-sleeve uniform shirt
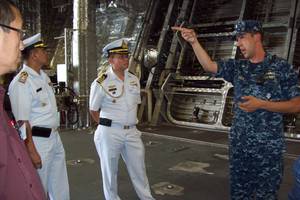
<point>32,98</point>
<point>117,99</point>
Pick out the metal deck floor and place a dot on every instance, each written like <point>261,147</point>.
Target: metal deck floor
<point>164,150</point>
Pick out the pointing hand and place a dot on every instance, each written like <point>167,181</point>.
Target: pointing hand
<point>188,34</point>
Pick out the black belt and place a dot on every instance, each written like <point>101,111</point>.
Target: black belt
<point>41,131</point>
<point>110,123</point>
<point>105,121</point>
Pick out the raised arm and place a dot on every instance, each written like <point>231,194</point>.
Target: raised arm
<point>190,36</point>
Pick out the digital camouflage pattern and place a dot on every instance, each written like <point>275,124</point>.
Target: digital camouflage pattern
<point>247,26</point>
<point>256,138</point>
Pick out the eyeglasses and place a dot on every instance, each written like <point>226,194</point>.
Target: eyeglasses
<point>21,32</point>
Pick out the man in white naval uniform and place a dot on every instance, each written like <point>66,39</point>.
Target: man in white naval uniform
<point>33,103</point>
<point>114,97</point>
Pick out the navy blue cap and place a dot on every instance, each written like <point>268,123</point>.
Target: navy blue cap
<point>247,26</point>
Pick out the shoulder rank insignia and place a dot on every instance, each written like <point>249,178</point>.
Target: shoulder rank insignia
<point>23,77</point>
<point>130,72</point>
<point>101,78</point>
<point>133,83</point>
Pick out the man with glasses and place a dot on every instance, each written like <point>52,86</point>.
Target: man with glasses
<point>18,178</point>
<point>33,103</point>
<point>114,97</point>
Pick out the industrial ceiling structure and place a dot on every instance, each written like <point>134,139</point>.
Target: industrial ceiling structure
<point>51,17</point>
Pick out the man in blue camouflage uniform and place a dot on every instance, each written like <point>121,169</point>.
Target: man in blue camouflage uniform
<point>265,87</point>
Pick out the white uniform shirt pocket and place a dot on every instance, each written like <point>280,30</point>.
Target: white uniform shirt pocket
<point>133,93</point>
<point>43,100</point>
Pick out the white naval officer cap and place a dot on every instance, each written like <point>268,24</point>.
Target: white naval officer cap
<point>119,46</point>
<point>34,41</point>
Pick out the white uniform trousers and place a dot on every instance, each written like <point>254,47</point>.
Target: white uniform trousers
<point>111,142</point>
<point>53,173</point>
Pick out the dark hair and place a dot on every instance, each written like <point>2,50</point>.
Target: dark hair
<point>26,54</point>
<point>261,35</point>
<point>7,14</point>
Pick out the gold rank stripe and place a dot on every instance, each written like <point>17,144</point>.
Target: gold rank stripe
<point>118,51</point>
